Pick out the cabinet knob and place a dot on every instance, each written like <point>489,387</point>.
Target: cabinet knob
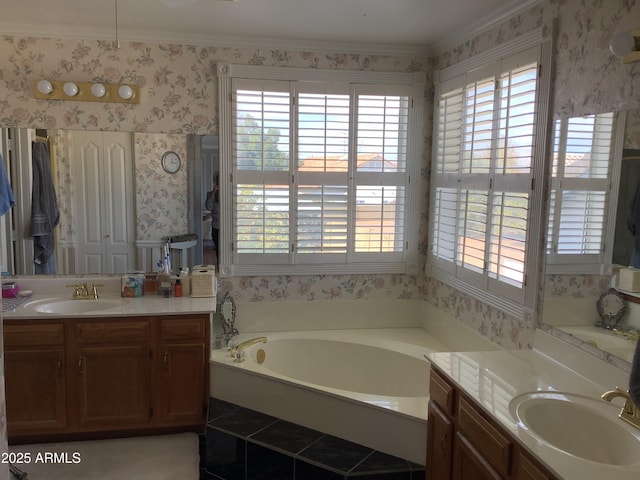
<point>165,360</point>
<point>59,366</point>
<point>81,366</point>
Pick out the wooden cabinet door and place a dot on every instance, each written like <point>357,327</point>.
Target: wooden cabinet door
<point>35,393</point>
<point>114,386</point>
<point>181,383</point>
<point>439,444</point>
<point>182,370</point>
<point>469,464</point>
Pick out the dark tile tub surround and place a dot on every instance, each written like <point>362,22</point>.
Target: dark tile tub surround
<point>243,444</point>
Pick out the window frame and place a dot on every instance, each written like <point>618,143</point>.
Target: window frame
<point>522,303</point>
<point>360,263</point>
<point>583,263</point>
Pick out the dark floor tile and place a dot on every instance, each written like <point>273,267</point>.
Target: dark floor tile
<point>218,408</point>
<point>307,471</point>
<point>243,422</point>
<point>379,462</point>
<point>336,453</point>
<point>226,455</point>
<point>266,464</point>
<point>419,473</point>
<point>287,436</point>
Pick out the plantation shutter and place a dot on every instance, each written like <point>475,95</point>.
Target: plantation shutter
<point>320,175</point>
<point>261,116</point>
<point>482,174</point>
<point>581,178</point>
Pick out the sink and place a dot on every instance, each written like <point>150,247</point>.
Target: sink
<point>581,426</point>
<point>72,306</point>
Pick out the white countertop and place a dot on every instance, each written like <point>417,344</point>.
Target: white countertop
<point>50,289</point>
<point>493,379</point>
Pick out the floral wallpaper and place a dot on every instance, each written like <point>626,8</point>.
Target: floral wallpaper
<point>178,96</point>
<point>161,200</point>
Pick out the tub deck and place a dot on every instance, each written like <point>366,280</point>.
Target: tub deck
<point>391,424</point>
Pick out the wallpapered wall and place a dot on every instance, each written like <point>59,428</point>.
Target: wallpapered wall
<point>178,95</point>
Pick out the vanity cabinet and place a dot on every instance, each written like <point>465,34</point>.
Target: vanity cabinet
<point>36,395</point>
<point>114,360</point>
<point>93,376</point>
<point>465,443</point>
<point>181,385</point>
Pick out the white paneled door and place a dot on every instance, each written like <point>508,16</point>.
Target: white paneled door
<point>103,202</point>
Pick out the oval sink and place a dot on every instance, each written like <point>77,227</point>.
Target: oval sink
<point>73,306</point>
<point>584,427</point>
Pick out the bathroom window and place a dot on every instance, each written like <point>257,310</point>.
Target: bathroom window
<point>581,216</point>
<point>320,167</point>
<point>486,203</point>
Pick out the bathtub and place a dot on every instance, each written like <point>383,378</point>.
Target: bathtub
<point>369,386</point>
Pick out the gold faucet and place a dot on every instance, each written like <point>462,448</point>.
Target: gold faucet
<point>630,413</point>
<point>81,291</point>
<point>236,350</point>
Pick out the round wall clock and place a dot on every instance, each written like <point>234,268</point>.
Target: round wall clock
<point>171,162</point>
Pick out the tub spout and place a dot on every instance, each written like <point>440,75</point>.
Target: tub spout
<point>236,351</point>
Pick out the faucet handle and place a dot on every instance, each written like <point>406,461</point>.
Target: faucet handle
<point>94,289</point>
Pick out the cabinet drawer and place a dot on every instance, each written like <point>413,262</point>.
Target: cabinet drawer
<point>441,392</point>
<point>489,441</point>
<point>131,331</point>
<point>33,335</point>
<point>183,328</point>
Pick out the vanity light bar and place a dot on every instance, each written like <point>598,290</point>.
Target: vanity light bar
<point>86,91</point>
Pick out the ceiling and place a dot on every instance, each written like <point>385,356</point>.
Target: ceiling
<point>374,25</point>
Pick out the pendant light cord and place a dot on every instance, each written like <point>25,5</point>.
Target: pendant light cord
<point>117,38</point>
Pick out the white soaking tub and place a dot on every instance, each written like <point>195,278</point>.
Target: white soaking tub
<point>369,386</point>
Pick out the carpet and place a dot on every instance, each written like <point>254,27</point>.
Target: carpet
<point>162,457</point>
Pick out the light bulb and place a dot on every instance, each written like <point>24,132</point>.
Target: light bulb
<point>70,89</point>
<point>622,44</point>
<point>125,92</point>
<point>45,87</point>
<point>98,90</point>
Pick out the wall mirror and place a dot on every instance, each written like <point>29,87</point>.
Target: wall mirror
<point>117,204</point>
<point>595,173</point>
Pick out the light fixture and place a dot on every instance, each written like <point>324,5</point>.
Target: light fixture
<point>44,87</point>
<point>626,45</point>
<point>125,92</point>
<point>86,91</point>
<point>98,90</point>
<point>70,89</point>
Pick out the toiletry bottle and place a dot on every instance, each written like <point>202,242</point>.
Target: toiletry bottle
<point>178,289</point>
<point>165,287</point>
<point>185,280</point>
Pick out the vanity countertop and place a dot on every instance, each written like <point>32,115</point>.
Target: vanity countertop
<point>493,379</point>
<point>57,289</point>
<point>145,305</point>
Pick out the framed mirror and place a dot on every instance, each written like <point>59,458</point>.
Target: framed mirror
<point>577,288</point>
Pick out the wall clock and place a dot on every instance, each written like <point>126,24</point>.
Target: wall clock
<point>171,162</point>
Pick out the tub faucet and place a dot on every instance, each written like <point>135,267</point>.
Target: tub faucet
<point>630,413</point>
<point>237,351</point>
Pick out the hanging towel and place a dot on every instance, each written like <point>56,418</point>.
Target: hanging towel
<point>6,194</point>
<point>44,206</point>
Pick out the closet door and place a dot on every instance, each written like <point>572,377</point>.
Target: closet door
<point>103,202</point>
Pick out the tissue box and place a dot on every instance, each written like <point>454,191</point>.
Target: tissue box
<point>10,289</point>
<point>133,284</point>
<point>203,281</point>
<point>629,279</point>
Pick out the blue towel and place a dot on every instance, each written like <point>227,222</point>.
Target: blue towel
<point>44,206</point>
<point>6,194</point>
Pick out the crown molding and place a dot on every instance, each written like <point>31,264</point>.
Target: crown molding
<point>496,17</point>
<point>268,43</point>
